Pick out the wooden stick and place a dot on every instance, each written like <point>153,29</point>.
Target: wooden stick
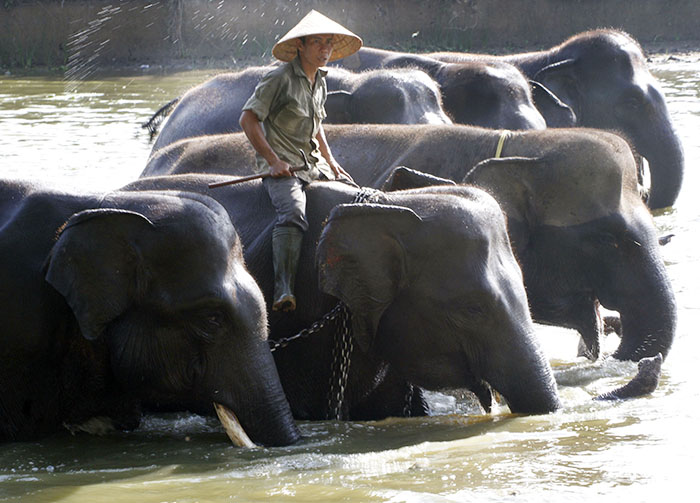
<point>247,178</point>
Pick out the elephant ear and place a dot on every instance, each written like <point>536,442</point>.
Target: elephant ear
<point>561,80</point>
<point>556,112</point>
<point>507,179</point>
<point>402,178</point>
<point>362,260</point>
<point>338,105</point>
<point>96,266</point>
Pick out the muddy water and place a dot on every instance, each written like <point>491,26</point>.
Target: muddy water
<point>88,136</point>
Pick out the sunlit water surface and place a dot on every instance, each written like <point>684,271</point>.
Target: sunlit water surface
<point>87,136</point>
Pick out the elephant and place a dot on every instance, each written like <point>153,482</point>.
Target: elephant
<point>578,224</point>
<point>408,97</point>
<point>124,302</point>
<point>435,295</point>
<point>603,77</point>
<point>490,94</point>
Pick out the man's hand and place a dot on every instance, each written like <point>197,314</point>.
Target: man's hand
<point>279,169</point>
<point>340,172</point>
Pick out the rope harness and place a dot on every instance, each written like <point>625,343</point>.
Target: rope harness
<point>499,148</point>
<point>343,339</point>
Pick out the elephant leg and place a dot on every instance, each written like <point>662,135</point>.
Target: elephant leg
<point>611,324</point>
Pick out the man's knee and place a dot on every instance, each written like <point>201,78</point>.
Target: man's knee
<point>289,200</point>
<point>292,220</point>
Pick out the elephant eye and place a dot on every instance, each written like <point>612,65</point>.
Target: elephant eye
<point>471,311</point>
<point>465,314</point>
<point>207,324</point>
<point>475,310</point>
<point>215,320</point>
<point>634,99</point>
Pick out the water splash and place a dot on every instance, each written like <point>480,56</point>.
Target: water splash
<point>86,48</point>
<point>230,32</point>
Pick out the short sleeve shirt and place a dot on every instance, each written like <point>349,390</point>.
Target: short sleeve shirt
<point>291,111</point>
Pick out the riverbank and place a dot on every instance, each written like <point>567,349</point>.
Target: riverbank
<point>656,52</point>
<point>81,37</point>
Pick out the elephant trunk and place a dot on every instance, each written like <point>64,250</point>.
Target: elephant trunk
<point>666,169</point>
<point>659,143</point>
<point>645,300</point>
<point>648,323</point>
<point>271,425</point>
<point>523,377</point>
<point>259,402</point>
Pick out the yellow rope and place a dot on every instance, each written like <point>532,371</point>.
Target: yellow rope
<point>499,148</point>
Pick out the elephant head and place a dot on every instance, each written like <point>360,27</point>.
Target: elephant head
<point>435,291</point>
<point>404,96</point>
<point>602,75</point>
<point>584,237</point>
<point>491,94</point>
<point>163,285</point>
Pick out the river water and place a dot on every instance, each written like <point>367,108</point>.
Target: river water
<point>86,135</point>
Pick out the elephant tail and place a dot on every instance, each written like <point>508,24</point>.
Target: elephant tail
<point>157,118</point>
<point>644,383</point>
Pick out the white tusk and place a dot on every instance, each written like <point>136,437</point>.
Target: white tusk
<point>233,428</point>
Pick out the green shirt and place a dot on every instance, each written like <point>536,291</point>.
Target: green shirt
<point>291,111</point>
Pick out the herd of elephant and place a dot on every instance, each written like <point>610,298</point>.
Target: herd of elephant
<point>496,192</point>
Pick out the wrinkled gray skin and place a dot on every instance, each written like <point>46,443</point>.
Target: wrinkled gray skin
<point>603,77</point>
<point>644,383</point>
<point>490,94</point>
<point>578,225</point>
<point>436,296</point>
<point>381,97</point>
<point>113,304</point>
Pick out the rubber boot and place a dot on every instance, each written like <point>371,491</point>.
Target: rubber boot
<point>286,248</point>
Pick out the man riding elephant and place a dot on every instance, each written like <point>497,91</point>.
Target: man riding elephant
<point>584,179</point>
<point>282,117</point>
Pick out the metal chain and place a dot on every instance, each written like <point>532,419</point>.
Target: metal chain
<point>341,366</point>
<point>315,327</point>
<point>343,337</point>
<point>343,342</point>
<point>408,399</point>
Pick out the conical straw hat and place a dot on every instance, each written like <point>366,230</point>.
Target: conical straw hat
<point>345,42</point>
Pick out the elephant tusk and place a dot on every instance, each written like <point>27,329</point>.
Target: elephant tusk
<point>233,428</point>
